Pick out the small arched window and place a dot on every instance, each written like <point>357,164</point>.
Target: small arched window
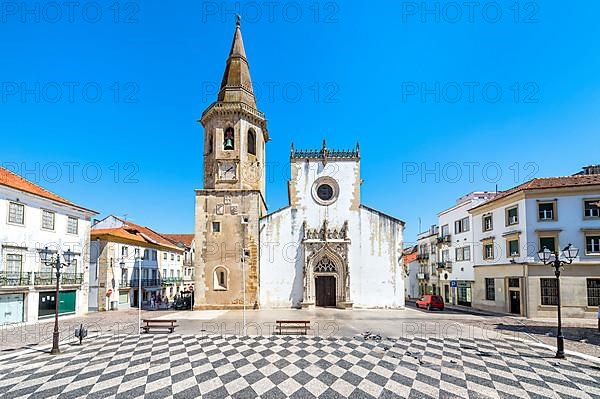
<point>220,279</point>
<point>251,142</point>
<point>210,143</point>
<point>228,139</point>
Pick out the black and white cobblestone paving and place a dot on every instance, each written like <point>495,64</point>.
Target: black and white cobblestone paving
<point>175,366</point>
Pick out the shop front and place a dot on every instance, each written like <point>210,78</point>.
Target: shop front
<point>463,293</point>
<point>67,302</point>
<point>11,308</point>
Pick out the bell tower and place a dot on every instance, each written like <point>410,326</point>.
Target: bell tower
<point>229,207</point>
<point>235,131</point>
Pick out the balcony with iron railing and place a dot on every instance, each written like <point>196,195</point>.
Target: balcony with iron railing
<point>146,282</point>
<point>445,239</point>
<point>15,279</point>
<point>24,279</point>
<point>447,265</point>
<point>172,280</point>
<point>49,278</point>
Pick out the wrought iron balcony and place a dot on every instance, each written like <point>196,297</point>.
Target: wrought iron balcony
<point>146,282</point>
<point>423,256</point>
<point>172,280</point>
<point>444,265</point>
<point>49,278</point>
<point>15,279</point>
<point>44,278</point>
<point>72,278</point>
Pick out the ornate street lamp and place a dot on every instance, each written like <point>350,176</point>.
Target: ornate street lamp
<point>52,259</point>
<point>548,257</point>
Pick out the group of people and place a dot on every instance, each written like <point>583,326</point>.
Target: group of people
<point>156,301</point>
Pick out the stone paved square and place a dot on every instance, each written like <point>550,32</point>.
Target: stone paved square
<point>218,366</point>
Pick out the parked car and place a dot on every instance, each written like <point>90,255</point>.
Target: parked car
<point>431,302</point>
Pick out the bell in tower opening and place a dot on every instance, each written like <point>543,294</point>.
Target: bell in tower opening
<point>228,142</point>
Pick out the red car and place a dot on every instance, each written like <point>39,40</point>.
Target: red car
<point>431,302</point>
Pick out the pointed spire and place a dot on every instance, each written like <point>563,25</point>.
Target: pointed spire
<point>236,85</point>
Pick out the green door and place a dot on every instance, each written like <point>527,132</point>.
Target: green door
<point>67,301</point>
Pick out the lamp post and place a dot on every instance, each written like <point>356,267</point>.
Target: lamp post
<point>138,259</point>
<point>49,258</point>
<point>553,259</point>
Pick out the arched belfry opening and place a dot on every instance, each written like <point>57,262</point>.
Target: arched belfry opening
<point>326,272</point>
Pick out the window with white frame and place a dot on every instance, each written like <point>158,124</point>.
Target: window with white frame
<point>146,255</point>
<point>546,211</point>
<point>172,256</point>
<point>592,244</point>
<point>463,254</point>
<point>488,222</point>
<point>591,208</point>
<point>154,254</point>
<point>72,225</point>
<point>124,251</point>
<point>48,219</point>
<point>165,255</point>
<point>445,230</point>
<point>16,213</point>
<point>512,215</point>
<point>136,252</point>
<point>14,263</point>
<point>462,225</point>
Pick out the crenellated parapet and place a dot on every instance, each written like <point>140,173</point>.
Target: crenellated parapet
<point>325,154</point>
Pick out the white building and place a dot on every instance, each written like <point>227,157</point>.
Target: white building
<point>325,248</point>
<point>32,218</point>
<point>120,250</point>
<point>186,243</point>
<point>513,227</point>
<point>412,269</point>
<point>427,256</point>
<point>455,249</point>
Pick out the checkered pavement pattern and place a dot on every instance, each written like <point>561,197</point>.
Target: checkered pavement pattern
<point>175,366</point>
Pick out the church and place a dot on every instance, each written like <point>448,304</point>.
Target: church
<point>325,249</point>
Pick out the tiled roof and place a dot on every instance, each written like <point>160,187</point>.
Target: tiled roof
<point>411,257</point>
<point>135,232</point>
<point>186,239</point>
<point>542,183</point>
<point>12,180</point>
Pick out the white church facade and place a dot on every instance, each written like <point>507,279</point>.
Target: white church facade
<point>326,248</point>
<point>323,249</point>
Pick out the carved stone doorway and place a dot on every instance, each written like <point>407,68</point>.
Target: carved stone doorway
<point>325,291</point>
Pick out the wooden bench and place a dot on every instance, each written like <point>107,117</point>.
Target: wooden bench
<point>159,325</point>
<point>292,326</point>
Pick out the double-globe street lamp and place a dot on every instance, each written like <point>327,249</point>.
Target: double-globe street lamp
<point>552,258</point>
<point>53,259</point>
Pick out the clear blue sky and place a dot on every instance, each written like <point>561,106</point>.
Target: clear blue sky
<point>358,66</point>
